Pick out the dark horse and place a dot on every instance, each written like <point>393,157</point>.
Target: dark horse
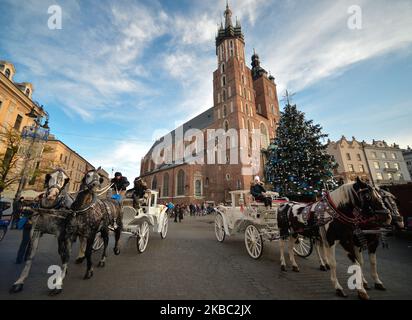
<point>372,240</point>
<point>93,215</point>
<point>341,214</point>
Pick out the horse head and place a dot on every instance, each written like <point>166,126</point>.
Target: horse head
<point>390,202</point>
<point>92,180</point>
<point>370,202</point>
<point>54,184</point>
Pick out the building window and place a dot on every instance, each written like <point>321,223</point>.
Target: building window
<point>374,155</point>
<point>361,168</point>
<point>7,73</point>
<point>396,165</point>
<point>383,155</point>
<point>350,166</point>
<point>273,109</point>
<point>198,188</point>
<point>27,92</point>
<point>376,165</point>
<point>224,111</point>
<point>359,157</point>
<point>154,183</point>
<point>166,185</point>
<point>239,185</point>
<point>224,95</point>
<point>348,157</point>
<point>227,176</point>
<point>394,156</point>
<point>259,109</point>
<point>223,68</point>
<point>386,165</point>
<point>18,122</point>
<point>181,183</point>
<point>379,176</point>
<point>226,125</point>
<point>223,81</point>
<point>390,176</point>
<point>206,182</point>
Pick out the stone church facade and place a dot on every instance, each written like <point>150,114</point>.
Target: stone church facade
<point>244,99</point>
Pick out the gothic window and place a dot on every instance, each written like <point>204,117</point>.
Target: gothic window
<point>229,92</point>
<point>7,73</point>
<point>154,183</point>
<point>223,81</point>
<point>198,188</point>
<point>166,185</point>
<point>244,93</point>
<point>224,95</point>
<point>181,183</point>
<point>259,109</point>
<point>224,111</point>
<point>207,182</point>
<point>226,125</point>
<point>223,68</point>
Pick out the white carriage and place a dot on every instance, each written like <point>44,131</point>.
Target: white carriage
<point>245,215</point>
<point>137,223</point>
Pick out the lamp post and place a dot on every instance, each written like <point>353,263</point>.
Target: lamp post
<point>36,132</point>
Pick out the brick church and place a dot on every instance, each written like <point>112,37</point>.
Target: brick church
<point>244,98</point>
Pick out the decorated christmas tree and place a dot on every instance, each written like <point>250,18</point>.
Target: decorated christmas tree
<point>297,163</point>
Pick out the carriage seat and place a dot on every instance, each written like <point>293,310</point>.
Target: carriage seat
<point>254,202</point>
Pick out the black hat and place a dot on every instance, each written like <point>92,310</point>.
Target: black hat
<point>118,174</point>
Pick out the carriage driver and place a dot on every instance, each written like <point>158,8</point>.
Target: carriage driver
<point>120,184</point>
<point>259,193</point>
<point>139,191</point>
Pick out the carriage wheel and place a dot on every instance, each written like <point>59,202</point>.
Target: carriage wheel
<point>98,242</point>
<point>303,246</point>
<point>165,226</point>
<point>142,237</point>
<point>219,228</point>
<point>253,242</point>
<point>2,232</point>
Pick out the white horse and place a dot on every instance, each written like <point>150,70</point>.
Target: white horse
<point>332,220</point>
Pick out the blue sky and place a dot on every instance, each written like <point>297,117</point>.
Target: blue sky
<point>121,73</point>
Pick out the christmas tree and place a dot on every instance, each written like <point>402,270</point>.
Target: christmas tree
<point>297,163</point>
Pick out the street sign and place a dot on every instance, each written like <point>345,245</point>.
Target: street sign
<point>38,133</point>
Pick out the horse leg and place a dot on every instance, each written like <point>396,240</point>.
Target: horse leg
<point>330,250</point>
<point>82,248</point>
<point>318,247</point>
<point>105,236</point>
<point>292,241</point>
<point>64,251</point>
<point>117,234</point>
<point>89,251</point>
<point>282,254</point>
<point>359,259</point>
<point>34,240</point>
<point>374,271</point>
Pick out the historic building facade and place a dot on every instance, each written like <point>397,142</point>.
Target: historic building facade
<point>378,162</point>
<point>386,163</point>
<point>244,98</point>
<point>407,155</point>
<point>15,103</point>
<point>350,158</point>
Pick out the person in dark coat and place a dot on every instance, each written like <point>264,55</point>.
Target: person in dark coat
<point>139,191</point>
<point>120,184</point>
<point>17,207</point>
<point>258,192</point>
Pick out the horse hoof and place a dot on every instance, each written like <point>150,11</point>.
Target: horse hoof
<point>341,293</point>
<point>116,251</point>
<point>55,292</point>
<point>380,286</point>
<point>362,295</point>
<point>16,288</point>
<point>322,268</point>
<point>327,266</point>
<point>283,268</point>
<point>101,264</point>
<point>79,260</point>
<point>295,269</point>
<point>366,286</point>
<point>88,275</point>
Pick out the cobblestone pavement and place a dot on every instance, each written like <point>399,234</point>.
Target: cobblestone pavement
<point>191,264</point>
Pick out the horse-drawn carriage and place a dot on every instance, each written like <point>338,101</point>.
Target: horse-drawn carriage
<point>245,215</point>
<point>137,223</point>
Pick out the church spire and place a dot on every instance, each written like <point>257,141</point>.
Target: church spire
<point>228,16</point>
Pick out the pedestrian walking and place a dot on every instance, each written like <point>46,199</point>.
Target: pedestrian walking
<point>17,207</point>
